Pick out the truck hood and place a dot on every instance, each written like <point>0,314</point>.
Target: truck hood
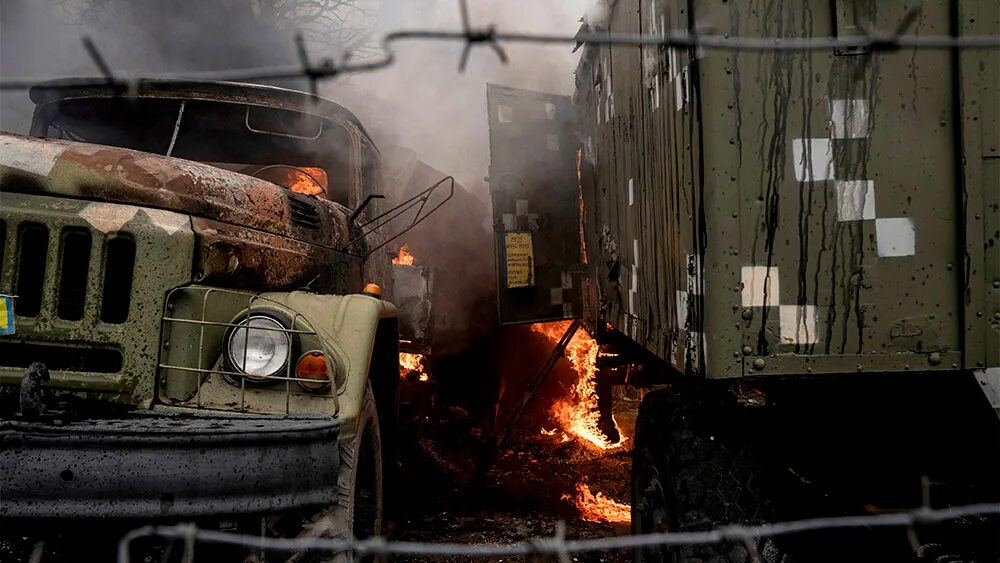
<point>116,175</point>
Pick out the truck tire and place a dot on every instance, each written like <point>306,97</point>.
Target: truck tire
<point>358,511</point>
<point>688,475</point>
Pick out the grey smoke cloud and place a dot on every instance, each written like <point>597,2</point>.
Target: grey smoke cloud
<point>424,103</point>
<point>421,102</point>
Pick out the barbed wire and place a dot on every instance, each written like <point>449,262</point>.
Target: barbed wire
<point>557,545</point>
<point>872,40</point>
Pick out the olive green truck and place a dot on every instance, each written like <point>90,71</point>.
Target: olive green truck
<point>804,246</point>
<point>197,316</point>
<point>812,238</point>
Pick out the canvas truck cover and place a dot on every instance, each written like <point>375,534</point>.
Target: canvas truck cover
<point>534,191</point>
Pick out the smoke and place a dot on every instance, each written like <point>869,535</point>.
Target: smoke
<point>424,103</point>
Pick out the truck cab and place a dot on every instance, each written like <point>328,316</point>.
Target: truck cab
<point>198,306</point>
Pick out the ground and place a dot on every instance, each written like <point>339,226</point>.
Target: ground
<point>524,496</point>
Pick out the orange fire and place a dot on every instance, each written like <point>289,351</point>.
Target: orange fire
<point>306,180</point>
<point>577,413</point>
<point>599,508</point>
<point>404,257</point>
<point>409,363</point>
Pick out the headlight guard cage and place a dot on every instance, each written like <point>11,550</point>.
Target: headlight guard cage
<point>199,321</point>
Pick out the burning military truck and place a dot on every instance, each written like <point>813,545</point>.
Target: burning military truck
<point>798,249</point>
<point>195,274</point>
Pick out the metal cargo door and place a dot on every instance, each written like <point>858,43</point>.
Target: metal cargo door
<point>534,191</point>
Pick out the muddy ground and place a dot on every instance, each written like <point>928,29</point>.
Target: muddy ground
<point>524,495</point>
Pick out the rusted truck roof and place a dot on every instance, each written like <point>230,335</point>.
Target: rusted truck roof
<point>216,91</point>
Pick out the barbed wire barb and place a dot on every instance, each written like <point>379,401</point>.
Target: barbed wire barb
<point>474,36</point>
<point>99,62</point>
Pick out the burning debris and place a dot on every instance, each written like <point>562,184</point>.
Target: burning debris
<point>577,412</point>
<point>412,363</point>
<point>597,507</point>
<point>404,257</point>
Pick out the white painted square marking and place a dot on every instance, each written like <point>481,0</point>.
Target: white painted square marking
<point>895,237</point>
<point>849,119</point>
<point>693,274</point>
<point>760,286</point>
<point>812,159</point>
<point>505,114</point>
<point>682,308</point>
<point>521,207</point>
<point>509,223</point>
<point>681,88</point>
<point>855,200</point>
<point>552,141</point>
<point>798,324</point>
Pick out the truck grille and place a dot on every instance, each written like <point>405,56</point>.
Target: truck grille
<point>303,212</point>
<point>90,280</point>
<point>72,271</point>
<point>32,250</point>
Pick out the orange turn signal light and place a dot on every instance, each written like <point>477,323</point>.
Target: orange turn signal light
<point>311,371</point>
<point>372,290</point>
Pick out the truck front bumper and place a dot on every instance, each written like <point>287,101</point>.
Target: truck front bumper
<point>151,464</point>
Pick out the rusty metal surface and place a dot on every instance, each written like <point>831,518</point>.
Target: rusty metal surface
<point>791,213</point>
<point>533,188</point>
<point>235,256</point>
<point>101,173</point>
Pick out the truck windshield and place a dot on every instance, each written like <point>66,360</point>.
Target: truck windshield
<point>302,152</point>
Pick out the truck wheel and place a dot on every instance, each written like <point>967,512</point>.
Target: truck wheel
<point>688,475</point>
<point>358,511</point>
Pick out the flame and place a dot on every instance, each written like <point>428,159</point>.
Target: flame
<point>599,508</point>
<point>577,413</point>
<point>304,180</point>
<point>404,257</point>
<point>409,363</point>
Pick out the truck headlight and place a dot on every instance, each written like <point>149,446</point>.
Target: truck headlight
<point>258,346</point>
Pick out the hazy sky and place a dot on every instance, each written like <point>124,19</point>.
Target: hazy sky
<point>422,102</point>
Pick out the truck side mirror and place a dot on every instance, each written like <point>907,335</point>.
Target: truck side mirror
<point>417,204</point>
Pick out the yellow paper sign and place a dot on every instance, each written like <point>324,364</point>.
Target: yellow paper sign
<point>520,260</point>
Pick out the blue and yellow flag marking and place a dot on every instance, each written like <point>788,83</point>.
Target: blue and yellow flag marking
<point>6,314</point>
